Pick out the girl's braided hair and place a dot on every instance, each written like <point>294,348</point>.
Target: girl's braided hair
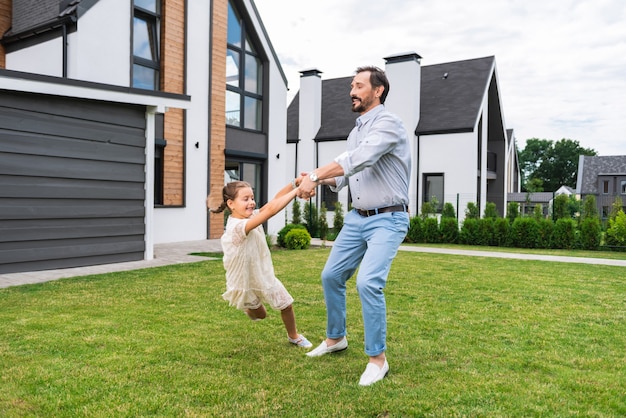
<point>229,192</point>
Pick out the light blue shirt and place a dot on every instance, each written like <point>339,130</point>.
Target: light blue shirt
<point>377,162</point>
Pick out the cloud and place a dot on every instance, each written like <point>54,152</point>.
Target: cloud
<point>561,65</point>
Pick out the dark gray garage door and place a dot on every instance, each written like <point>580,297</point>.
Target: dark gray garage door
<point>71,182</point>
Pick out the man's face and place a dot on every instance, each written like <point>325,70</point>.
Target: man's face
<point>364,97</point>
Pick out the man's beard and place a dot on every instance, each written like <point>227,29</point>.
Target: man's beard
<point>362,106</point>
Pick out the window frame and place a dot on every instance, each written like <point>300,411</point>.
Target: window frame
<point>245,51</point>
<point>425,190</point>
<point>153,22</point>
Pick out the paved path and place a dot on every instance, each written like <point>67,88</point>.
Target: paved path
<point>176,253</point>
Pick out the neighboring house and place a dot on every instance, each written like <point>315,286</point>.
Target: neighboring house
<point>462,151</point>
<point>603,177</point>
<point>120,116</point>
<point>528,201</point>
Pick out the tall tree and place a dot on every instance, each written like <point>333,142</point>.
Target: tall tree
<point>548,165</point>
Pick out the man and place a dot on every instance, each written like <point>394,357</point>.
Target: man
<point>377,167</point>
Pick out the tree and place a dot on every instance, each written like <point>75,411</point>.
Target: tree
<point>549,165</point>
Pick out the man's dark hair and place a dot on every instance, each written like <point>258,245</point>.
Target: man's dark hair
<point>377,79</point>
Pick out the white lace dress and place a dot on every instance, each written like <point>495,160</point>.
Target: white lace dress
<point>250,278</point>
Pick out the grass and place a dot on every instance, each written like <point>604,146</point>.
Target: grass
<point>467,336</point>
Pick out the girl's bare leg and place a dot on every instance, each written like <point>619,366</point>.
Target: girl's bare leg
<point>256,314</point>
<point>289,319</point>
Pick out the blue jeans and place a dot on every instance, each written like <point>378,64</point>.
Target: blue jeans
<point>369,244</point>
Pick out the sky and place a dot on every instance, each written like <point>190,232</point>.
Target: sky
<point>561,65</point>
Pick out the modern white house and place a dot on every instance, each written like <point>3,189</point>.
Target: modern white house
<point>462,151</point>
<point>119,117</point>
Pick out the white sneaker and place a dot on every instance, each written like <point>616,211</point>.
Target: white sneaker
<point>373,374</point>
<point>322,349</point>
<point>301,341</point>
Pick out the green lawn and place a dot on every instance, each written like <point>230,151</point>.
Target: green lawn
<point>467,336</point>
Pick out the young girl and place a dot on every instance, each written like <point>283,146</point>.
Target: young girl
<point>250,278</point>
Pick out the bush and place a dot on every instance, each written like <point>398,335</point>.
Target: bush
<point>296,214</point>
<point>280,238</point>
<point>323,222</point>
<point>484,234</point>
<point>564,234</point>
<point>545,227</point>
<point>338,220</point>
<point>590,233</point>
<point>469,231</point>
<point>448,211</point>
<point>616,233</point>
<point>472,211</point>
<point>524,233</point>
<point>415,233</point>
<point>490,211</point>
<point>298,239</point>
<point>431,230</point>
<point>501,228</point>
<point>512,212</point>
<point>311,220</point>
<point>559,207</point>
<point>449,230</point>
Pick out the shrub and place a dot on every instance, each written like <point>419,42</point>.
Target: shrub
<point>280,238</point>
<point>311,220</point>
<point>428,209</point>
<point>323,222</point>
<point>490,211</point>
<point>338,220</point>
<point>559,207</point>
<point>415,233</point>
<point>448,211</point>
<point>431,230</point>
<point>524,233</point>
<point>590,210</point>
<point>298,239</point>
<point>512,212</point>
<point>564,234</point>
<point>590,233</point>
<point>500,237</point>
<point>296,214</point>
<point>469,231</point>
<point>545,227</point>
<point>472,211</point>
<point>484,234</point>
<point>449,230</point>
<point>616,233</point>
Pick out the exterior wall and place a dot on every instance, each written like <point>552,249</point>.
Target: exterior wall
<point>191,65</point>
<point>45,58</point>
<point>187,222</point>
<point>456,156</point>
<point>100,49</point>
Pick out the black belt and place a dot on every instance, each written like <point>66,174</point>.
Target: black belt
<point>372,212</point>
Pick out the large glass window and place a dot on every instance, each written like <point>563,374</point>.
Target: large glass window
<point>433,190</point>
<point>146,62</point>
<point>244,76</point>
<point>623,187</point>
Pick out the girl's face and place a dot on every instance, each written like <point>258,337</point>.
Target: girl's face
<point>243,204</point>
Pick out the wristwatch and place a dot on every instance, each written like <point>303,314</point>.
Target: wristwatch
<point>313,177</point>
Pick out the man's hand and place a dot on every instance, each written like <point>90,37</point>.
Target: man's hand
<point>306,189</point>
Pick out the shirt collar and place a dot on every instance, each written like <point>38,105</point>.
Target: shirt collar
<point>369,115</point>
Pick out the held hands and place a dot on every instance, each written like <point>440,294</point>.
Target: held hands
<point>306,186</point>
